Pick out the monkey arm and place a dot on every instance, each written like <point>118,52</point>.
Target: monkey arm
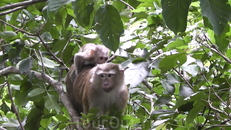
<point>83,58</point>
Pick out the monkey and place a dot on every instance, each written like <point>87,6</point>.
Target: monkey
<point>101,87</point>
<point>89,55</point>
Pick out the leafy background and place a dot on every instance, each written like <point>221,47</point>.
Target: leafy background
<point>177,53</point>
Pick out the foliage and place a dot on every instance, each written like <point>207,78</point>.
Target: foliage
<point>177,53</point>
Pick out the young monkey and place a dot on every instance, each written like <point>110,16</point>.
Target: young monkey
<point>90,54</point>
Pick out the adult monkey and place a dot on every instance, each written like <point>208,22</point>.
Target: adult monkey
<point>88,56</point>
<point>101,87</point>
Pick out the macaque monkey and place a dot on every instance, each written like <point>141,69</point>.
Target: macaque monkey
<point>89,55</point>
<point>101,87</point>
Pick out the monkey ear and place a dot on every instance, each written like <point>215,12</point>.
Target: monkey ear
<point>92,52</point>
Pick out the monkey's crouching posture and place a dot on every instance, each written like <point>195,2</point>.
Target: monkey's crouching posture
<point>101,87</point>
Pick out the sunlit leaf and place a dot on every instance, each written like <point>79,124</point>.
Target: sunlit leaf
<point>36,92</point>
<point>109,26</point>
<point>135,73</point>
<point>7,35</point>
<point>51,102</point>
<point>48,63</point>
<point>171,61</point>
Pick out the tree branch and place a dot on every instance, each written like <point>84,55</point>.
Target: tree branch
<point>25,3</point>
<point>57,85</point>
<point>12,10</point>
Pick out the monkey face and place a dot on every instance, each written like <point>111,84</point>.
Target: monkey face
<point>102,59</point>
<point>107,81</point>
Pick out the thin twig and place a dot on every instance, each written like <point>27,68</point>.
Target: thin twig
<point>13,106</point>
<point>127,4</point>
<point>21,30</point>
<point>48,49</point>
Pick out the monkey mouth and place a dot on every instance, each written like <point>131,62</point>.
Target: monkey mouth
<point>107,90</point>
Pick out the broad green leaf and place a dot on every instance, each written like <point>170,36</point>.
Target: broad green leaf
<point>3,58</point>
<point>172,79</point>
<point>156,113</point>
<point>48,63</point>
<point>83,10</point>
<point>109,26</point>
<point>45,122</point>
<point>185,91</point>
<point>130,120</point>
<point>33,119</point>
<point>136,73</point>
<point>15,79</point>
<point>228,53</point>
<point>36,92</point>
<point>15,51</point>
<point>168,87</point>
<point>218,13</point>
<point>25,65</point>
<point>7,35</point>
<point>175,14</point>
<point>51,103</point>
<point>54,5</point>
<point>163,100</point>
<point>171,61</point>
<point>177,44</point>
<point>193,69</point>
<point>194,112</point>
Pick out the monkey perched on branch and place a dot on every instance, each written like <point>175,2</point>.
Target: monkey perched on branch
<point>89,55</point>
<point>101,87</point>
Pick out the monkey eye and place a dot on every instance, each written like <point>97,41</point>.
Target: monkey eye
<point>102,75</point>
<point>101,58</point>
<point>110,75</point>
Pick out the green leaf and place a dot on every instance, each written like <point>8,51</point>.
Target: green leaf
<point>136,73</point>
<point>130,120</point>
<point>51,103</point>
<point>83,10</point>
<point>168,87</point>
<point>25,65</point>
<point>7,35</point>
<point>33,119</point>
<point>194,112</point>
<point>164,99</point>
<point>185,91</point>
<point>15,79</point>
<point>218,13</point>
<point>169,62</point>
<point>192,69</point>
<point>48,63</point>
<point>175,14</point>
<point>15,51</point>
<point>3,58</point>
<point>54,5</point>
<point>36,92</point>
<point>45,122</point>
<point>109,26</point>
